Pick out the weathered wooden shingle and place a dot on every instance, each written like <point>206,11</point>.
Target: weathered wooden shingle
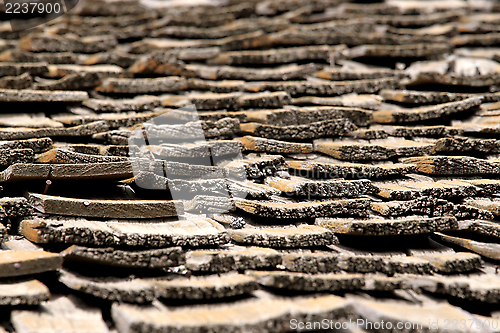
<point>142,86</point>
<point>490,205</point>
<point>303,187</point>
<point>63,156</point>
<point>404,190</point>
<point>325,88</point>
<point>16,263</point>
<point>129,291</point>
<point>124,209</point>
<point>61,314</point>
<point>258,315</point>
<point>425,112</point>
<point>425,317</point>
<point>206,287</point>
<point>155,258</point>
<point>273,56</point>
<point>14,95</point>
<point>233,258</point>
<point>430,206</point>
<point>22,172</point>
<point>301,210</point>
<point>18,68</point>
<point>195,233</point>
<point>373,150</point>
<point>139,103</point>
<point>308,282</point>
<point>349,170</point>
<point>328,128</point>
<point>253,143</point>
<point>31,292</point>
<point>487,250</point>
<point>447,263</point>
<point>16,133</point>
<point>482,288</point>
<point>385,227</point>
<point>454,165</point>
<point>301,236</point>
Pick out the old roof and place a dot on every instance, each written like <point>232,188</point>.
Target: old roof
<point>249,165</point>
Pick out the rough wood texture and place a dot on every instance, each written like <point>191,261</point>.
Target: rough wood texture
<point>62,156</point>
<point>21,172</point>
<point>396,311</point>
<point>122,209</point>
<point>349,170</point>
<point>16,263</point>
<point>385,227</point>
<point>156,258</point>
<point>211,287</point>
<point>302,236</point>
<point>483,288</point>
<point>76,131</point>
<point>454,262</point>
<point>60,315</point>
<point>37,145</point>
<point>129,291</point>
<point>337,127</point>
<point>228,165</point>
<point>233,258</point>
<point>194,233</point>
<point>325,88</point>
<point>374,150</point>
<point>250,316</point>
<point>454,165</point>
<point>404,190</point>
<point>424,112</point>
<point>142,86</point>
<point>303,187</point>
<point>31,292</point>
<point>14,95</point>
<point>252,143</point>
<point>306,282</point>
<point>304,209</point>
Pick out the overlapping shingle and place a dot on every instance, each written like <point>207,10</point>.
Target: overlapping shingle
<point>212,287</point>
<point>235,258</point>
<point>327,128</point>
<point>384,227</point>
<point>373,150</point>
<point>203,232</point>
<point>307,156</point>
<point>425,112</point>
<point>155,258</point>
<point>301,236</point>
<point>301,210</point>
<point>62,311</point>
<point>142,86</point>
<point>105,208</point>
<point>16,263</point>
<point>349,170</point>
<point>130,291</point>
<point>30,292</point>
<point>453,165</point>
<point>303,187</point>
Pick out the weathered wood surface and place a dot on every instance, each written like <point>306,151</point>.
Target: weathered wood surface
<point>16,263</point>
<point>124,209</point>
<point>61,314</point>
<point>211,287</point>
<point>226,168</point>
<point>31,292</point>
<point>134,233</point>
<point>155,258</point>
